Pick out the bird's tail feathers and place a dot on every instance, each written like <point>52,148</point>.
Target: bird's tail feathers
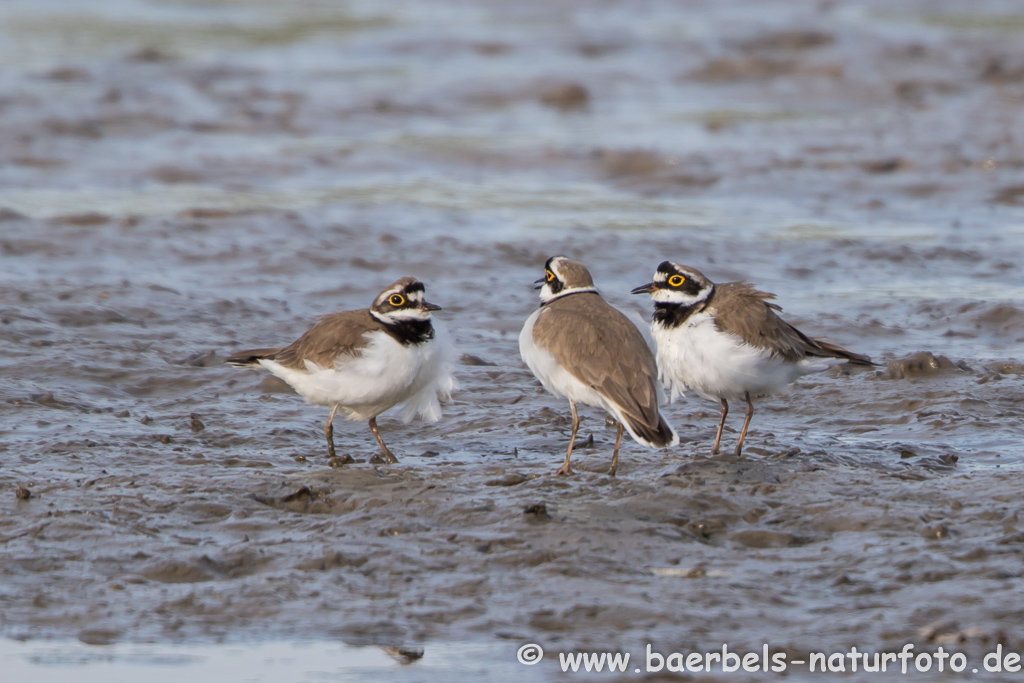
<point>251,357</point>
<point>832,350</point>
<point>661,436</point>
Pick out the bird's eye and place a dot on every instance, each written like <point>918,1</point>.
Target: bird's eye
<point>676,280</point>
<point>396,300</point>
<point>549,276</point>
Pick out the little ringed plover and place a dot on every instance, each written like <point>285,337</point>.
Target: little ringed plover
<point>726,341</point>
<point>581,348</point>
<point>366,361</point>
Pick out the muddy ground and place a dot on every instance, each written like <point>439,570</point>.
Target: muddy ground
<point>179,180</point>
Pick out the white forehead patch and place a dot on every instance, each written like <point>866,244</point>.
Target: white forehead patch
<point>672,296</point>
<point>554,266</point>
<point>415,296</point>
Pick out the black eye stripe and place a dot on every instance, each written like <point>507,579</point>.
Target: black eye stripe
<point>554,284</point>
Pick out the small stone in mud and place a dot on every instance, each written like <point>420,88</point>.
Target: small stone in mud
<point>728,69</point>
<point>537,512</point>
<point>67,74</point>
<point>565,96</point>
<point>428,454</point>
<point>949,459</point>
<point>753,516</point>
<point>172,175</point>
<point>545,414</point>
<point>123,413</point>
<point>885,165</point>
<point>508,480</point>
<point>470,359</point>
<point>757,538</point>
<point>1001,319</point>
<point>10,215</point>
<point>907,453</point>
<point>83,219</point>
<point>149,54</point>
<point>201,213</point>
<point>631,162</point>
<point>789,40</point>
<point>147,420</point>
<point>939,531</point>
<point>23,493</point>
<point>1013,194</point>
<point>705,528</point>
<point>589,443</point>
<point>404,655</point>
<point>920,364</point>
<point>98,636</point>
<point>202,359</point>
<point>997,70</point>
<point>937,629</point>
<point>680,572</point>
<point>302,491</point>
<point>196,424</point>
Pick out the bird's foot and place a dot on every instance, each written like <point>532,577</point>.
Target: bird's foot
<point>385,458</point>
<point>612,470</point>
<point>564,470</point>
<point>337,462</point>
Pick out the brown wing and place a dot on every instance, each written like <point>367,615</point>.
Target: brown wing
<point>333,335</point>
<point>605,351</point>
<point>746,312</point>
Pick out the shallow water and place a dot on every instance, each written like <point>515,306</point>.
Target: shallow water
<point>61,661</point>
<point>183,179</point>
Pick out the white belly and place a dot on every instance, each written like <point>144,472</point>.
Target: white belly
<point>715,364</point>
<point>385,374</point>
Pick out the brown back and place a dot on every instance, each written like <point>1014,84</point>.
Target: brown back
<point>333,335</point>
<point>600,347</point>
<point>745,311</point>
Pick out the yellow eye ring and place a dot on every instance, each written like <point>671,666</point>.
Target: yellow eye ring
<point>549,276</point>
<point>676,280</point>
<point>396,300</point>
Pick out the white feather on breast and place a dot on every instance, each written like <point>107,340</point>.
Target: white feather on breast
<point>384,374</point>
<point>715,364</point>
<point>435,382</point>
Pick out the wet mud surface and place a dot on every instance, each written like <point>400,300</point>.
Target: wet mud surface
<point>183,180</point>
